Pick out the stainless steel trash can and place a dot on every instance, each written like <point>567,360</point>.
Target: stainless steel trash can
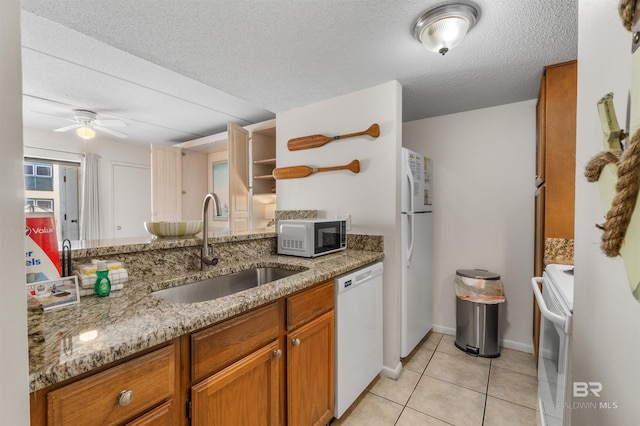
<point>477,322</point>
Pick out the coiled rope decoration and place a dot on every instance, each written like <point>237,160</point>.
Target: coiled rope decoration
<point>627,188</point>
<point>626,10</point>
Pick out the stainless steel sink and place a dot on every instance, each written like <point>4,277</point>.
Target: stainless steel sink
<point>223,285</point>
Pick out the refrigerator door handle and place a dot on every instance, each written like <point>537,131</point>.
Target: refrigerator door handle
<point>411,189</point>
<point>410,218</point>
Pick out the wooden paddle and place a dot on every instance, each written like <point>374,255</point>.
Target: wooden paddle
<point>315,141</point>
<point>304,171</point>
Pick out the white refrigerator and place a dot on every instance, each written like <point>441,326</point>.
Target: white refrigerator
<point>417,235</point>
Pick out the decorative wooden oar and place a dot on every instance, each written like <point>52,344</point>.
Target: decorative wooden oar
<point>304,171</point>
<point>315,141</point>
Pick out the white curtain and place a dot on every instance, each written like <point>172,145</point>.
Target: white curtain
<point>90,210</point>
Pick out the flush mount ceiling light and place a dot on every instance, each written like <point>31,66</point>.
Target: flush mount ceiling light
<point>443,28</point>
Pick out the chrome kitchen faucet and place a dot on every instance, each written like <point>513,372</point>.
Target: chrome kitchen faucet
<point>206,256</point>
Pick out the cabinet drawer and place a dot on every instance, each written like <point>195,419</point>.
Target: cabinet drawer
<point>309,304</point>
<point>95,400</point>
<point>221,345</point>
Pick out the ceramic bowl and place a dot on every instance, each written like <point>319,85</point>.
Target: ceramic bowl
<point>185,228</point>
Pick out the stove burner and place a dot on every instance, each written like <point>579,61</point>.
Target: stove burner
<point>569,271</point>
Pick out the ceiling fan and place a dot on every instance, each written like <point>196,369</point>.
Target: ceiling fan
<point>86,125</point>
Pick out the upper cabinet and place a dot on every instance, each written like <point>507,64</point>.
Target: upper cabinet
<point>263,161</point>
<point>166,183</point>
<point>556,148</point>
<point>237,165</point>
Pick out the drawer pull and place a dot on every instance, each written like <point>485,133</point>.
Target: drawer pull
<point>295,342</point>
<point>277,353</point>
<point>125,397</point>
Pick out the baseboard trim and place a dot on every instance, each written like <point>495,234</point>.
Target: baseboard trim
<point>392,373</point>
<point>509,344</point>
<point>444,330</point>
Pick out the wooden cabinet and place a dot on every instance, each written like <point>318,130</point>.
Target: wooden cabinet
<point>273,365</point>
<point>310,372</point>
<point>556,147</point>
<point>555,165</point>
<point>310,356</point>
<point>240,361</point>
<point>166,183</point>
<point>222,344</point>
<point>138,391</point>
<point>263,160</point>
<point>245,393</point>
<point>238,370</point>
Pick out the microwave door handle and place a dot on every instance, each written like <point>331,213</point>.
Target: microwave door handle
<point>554,318</point>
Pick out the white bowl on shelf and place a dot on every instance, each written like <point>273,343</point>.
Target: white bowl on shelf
<point>183,228</point>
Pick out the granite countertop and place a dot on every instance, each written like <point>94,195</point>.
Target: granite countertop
<point>76,339</point>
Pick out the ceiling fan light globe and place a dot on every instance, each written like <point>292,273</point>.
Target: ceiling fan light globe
<point>86,132</point>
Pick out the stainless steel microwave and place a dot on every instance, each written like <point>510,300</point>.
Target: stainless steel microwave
<point>311,237</point>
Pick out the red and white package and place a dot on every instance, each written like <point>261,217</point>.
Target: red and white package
<point>41,244</point>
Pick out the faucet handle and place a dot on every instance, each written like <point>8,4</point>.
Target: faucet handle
<point>210,260</point>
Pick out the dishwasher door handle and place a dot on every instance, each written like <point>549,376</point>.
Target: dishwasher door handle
<point>366,276</point>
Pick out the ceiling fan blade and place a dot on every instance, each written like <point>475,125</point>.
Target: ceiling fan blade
<point>110,123</point>
<point>65,128</point>
<point>56,116</point>
<point>111,132</point>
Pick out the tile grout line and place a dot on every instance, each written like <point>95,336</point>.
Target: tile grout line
<point>486,395</point>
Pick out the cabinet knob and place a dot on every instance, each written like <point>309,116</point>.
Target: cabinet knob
<point>125,397</point>
<point>295,342</point>
<point>277,353</point>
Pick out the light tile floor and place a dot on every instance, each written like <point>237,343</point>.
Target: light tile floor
<point>441,385</point>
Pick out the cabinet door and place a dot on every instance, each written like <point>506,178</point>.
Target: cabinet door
<point>243,394</point>
<point>310,372</point>
<point>541,117</point>
<point>166,183</point>
<point>238,177</point>
<point>160,416</point>
<point>560,159</point>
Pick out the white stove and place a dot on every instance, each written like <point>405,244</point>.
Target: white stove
<point>556,327</point>
<point>561,277</point>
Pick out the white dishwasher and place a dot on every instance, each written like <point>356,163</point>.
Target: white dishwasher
<point>358,333</point>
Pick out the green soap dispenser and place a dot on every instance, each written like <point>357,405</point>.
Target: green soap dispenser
<point>102,286</point>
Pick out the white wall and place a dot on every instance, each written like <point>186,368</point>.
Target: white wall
<point>111,151</point>
<point>371,197</point>
<point>606,333</point>
<point>14,381</point>
<point>484,168</point>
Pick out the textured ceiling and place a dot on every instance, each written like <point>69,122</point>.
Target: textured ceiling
<point>173,64</point>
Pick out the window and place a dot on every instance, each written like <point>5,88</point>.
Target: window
<point>55,185</point>
<point>38,176</point>
<point>221,187</point>
<point>46,203</point>
<point>44,170</point>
